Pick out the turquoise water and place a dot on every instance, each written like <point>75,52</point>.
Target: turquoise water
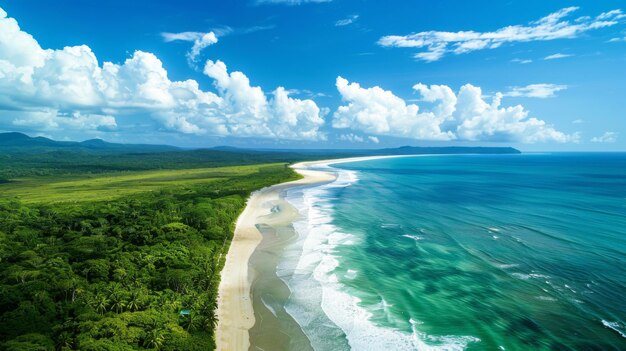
<point>509,252</point>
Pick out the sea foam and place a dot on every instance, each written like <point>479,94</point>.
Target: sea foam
<point>324,298</point>
<point>615,326</point>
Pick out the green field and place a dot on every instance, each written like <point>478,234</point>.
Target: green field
<point>101,187</point>
<point>108,261</point>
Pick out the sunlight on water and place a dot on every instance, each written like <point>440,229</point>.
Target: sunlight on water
<point>465,252</point>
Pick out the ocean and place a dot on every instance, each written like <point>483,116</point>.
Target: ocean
<point>462,252</point>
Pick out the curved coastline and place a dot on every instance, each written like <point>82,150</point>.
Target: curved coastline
<point>236,315</point>
<point>234,305</point>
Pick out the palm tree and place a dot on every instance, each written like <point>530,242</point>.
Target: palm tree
<point>117,302</point>
<point>64,341</point>
<point>134,301</point>
<point>191,322</point>
<point>154,339</point>
<point>100,303</point>
<point>210,321</point>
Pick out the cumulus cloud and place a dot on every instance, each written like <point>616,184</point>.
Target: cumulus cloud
<point>556,56</point>
<point>541,91</point>
<point>479,120</point>
<point>608,137</point>
<point>52,119</point>
<point>351,138</point>
<point>373,139</point>
<point>200,44</point>
<point>200,41</point>
<point>378,111</point>
<point>254,114</point>
<point>463,116</point>
<point>354,138</point>
<point>347,21</point>
<point>438,44</point>
<point>69,89</point>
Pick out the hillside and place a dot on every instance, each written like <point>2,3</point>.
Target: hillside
<point>14,142</point>
<point>24,156</point>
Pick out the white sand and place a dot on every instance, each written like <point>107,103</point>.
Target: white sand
<point>234,304</point>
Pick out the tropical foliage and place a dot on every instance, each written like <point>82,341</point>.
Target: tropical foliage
<point>109,262</point>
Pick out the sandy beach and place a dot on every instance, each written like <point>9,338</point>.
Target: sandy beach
<point>264,208</point>
<point>235,312</point>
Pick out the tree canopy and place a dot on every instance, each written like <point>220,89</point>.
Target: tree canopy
<point>114,274</point>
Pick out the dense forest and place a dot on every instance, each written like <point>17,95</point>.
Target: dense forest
<point>63,162</point>
<point>139,271</point>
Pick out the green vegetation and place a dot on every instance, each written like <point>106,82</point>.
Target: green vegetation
<point>23,156</point>
<point>68,163</point>
<point>114,185</point>
<point>109,261</point>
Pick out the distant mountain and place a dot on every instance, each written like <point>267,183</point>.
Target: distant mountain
<point>404,150</point>
<point>14,142</point>
<point>417,150</point>
<point>21,143</point>
<point>15,139</point>
<point>24,156</point>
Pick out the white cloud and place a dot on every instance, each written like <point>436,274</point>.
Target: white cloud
<point>608,137</point>
<point>253,114</point>
<point>464,116</point>
<point>578,121</point>
<point>347,21</point>
<point>479,120</point>
<point>207,40</point>
<point>200,41</point>
<point>442,95</point>
<point>291,2</point>
<point>541,91</point>
<point>182,36</point>
<point>49,89</point>
<point>556,56</point>
<point>554,26</point>
<point>307,93</point>
<point>522,61</point>
<point>253,29</point>
<point>613,14</point>
<point>51,119</point>
<point>219,31</point>
<point>69,89</point>
<point>378,111</point>
<point>615,40</point>
<point>353,138</point>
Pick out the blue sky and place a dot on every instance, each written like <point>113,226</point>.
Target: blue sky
<point>317,74</point>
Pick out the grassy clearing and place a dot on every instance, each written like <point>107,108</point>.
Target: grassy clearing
<point>112,186</point>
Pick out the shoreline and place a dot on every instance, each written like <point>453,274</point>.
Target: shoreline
<point>235,310</point>
<point>234,304</point>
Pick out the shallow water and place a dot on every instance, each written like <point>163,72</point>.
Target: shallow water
<point>477,252</point>
<point>274,328</point>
